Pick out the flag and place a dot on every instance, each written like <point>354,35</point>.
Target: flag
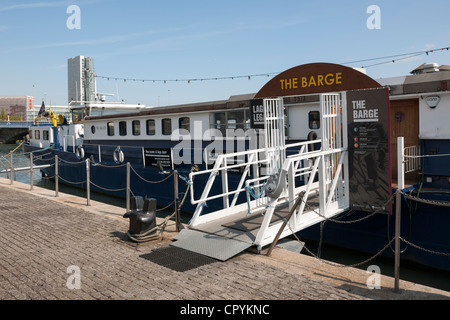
<point>42,110</point>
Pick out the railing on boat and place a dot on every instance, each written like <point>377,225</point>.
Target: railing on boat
<point>322,174</point>
<point>412,158</point>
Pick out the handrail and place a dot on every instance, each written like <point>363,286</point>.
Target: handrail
<point>219,168</point>
<point>295,168</point>
<point>412,158</point>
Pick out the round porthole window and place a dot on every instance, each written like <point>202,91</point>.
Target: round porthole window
<point>93,129</point>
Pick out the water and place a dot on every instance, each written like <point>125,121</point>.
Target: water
<point>413,273</point>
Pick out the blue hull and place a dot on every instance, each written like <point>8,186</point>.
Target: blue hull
<point>424,226</point>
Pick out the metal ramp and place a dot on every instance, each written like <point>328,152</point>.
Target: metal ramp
<point>228,236</point>
<point>210,245</point>
<point>311,185</point>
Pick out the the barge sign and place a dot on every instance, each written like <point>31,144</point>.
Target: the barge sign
<point>368,147</point>
<point>319,80</point>
<point>315,78</point>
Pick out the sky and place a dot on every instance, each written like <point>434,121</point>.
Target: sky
<point>198,39</point>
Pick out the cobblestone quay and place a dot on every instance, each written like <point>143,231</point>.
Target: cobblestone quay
<point>53,251</point>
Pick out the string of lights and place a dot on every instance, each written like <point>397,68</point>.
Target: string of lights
<point>398,57</point>
<point>189,80</point>
<point>405,56</point>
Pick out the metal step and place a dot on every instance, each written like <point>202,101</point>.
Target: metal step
<point>210,245</point>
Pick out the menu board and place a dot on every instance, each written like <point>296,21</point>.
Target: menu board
<point>368,145</point>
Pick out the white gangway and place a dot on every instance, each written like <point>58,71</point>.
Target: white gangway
<point>319,177</point>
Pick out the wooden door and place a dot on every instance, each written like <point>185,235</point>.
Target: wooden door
<point>404,123</point>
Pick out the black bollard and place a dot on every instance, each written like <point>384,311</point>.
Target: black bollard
<point>142,219</point>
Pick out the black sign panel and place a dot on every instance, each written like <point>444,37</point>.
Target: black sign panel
<point>162,155</point>
<point>257,114</point>
<point>369,145</point>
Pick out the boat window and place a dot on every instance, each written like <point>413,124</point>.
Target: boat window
<point>230,120</point>
<point>37,135</point>
<point>219,121</point>
<point>314,119</point>
<point>236,120</point>
<point>150,127</point>
<point>166,126</point>
<point>45,135</point>
<point>110,127</point>
<point>184,123</point>
<point>136,127</point>
<point>93,129</point>
<point>123,128</point>
<point>78,114</point>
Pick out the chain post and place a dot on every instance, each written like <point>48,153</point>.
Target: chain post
<point>128,187</point>
<point>11,172</point>
<point>56,176</point>
<point>31,171</point>
<point>88,182</point>
<point>398,208</point>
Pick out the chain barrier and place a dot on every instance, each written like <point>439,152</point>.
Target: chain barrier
<point>342,222</point>
<point>45,158</point>
<point>427,201</point>
<point>423,249</point>
<point>71,162</point>
<point>108,166</point>
<point>351,265</point>
<point>166,207</point>
<point>432,203</point>
<point>391,199</point>
<point>154,182</point>
<point>107,189</point>
<point>70,182</point>
<point>341,265</point>
<point>41,157</point>
<point>407,196</point>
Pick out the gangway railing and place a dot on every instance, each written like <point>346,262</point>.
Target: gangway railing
<point>322,173</point>
<point>312,166</point>
<point>222,165</point>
